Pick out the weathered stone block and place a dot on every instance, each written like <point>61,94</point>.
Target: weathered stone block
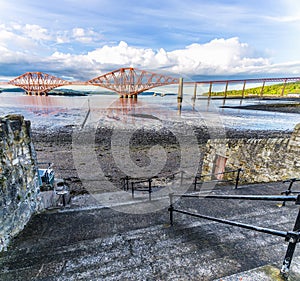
<point>18,177</point>
<point>263,160</point>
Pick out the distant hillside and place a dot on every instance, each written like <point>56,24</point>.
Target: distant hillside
<point>11,90</point>
<point>272,90</point>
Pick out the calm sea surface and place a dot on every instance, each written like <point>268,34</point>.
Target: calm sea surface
<point>56,111</point>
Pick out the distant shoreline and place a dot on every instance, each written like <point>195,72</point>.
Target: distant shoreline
<point>276,90</point>
<point>284,107</point>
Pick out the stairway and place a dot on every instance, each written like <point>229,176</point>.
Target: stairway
<point>102,244</point>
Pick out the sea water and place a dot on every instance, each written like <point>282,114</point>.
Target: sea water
<point>58,111</point>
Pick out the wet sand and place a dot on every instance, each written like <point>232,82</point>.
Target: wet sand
<point>56,147</point>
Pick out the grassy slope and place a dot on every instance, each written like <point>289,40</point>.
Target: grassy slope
<point>271,90</point>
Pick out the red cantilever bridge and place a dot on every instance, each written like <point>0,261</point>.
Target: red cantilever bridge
<point>124,81</point>
<point>127,82</point>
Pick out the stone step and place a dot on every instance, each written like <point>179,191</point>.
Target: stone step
<point>268,272</point>
<point>111,265</point>
<point>102,244</point>
<point>124,253</point>
<point>185,223</point>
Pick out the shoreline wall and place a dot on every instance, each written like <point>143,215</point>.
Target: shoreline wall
<point>263,159</point>
<point>19,187</point>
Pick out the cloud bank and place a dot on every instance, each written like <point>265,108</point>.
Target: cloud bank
<point>34,48</point>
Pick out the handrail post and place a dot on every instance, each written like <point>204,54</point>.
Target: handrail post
<point>291,184</point>
<point>171,208</point>
<point>132,190</point>
<point>289,190</point>
<point>127,182</point>
<point>239,170</point>
<point>124,183</point>
<point>64,200</point>
<point>150,189</point>
<point>291,249</point>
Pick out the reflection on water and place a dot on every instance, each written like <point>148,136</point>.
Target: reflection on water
<point>61,111</point>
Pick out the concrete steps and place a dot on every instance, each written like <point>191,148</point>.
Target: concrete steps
<point>102,244</point>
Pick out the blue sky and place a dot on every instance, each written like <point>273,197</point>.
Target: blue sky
<point>195,38</point>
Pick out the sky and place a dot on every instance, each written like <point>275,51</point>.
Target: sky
<point>80,40</point>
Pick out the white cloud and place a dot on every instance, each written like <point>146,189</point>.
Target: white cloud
<point>85,35</point>
<point>23,39</point>
<point>8,56</point>
<point>78,32</point>
<point>34,37</point>
<point>123,54</point>
<point>15,47</point>
<point>36,32</point>
<point>217,57</point>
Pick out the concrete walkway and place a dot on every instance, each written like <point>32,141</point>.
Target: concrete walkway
<point>89,242</point>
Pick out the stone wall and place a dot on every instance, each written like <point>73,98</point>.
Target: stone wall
<point>19,189</point>
<point>263,160</point>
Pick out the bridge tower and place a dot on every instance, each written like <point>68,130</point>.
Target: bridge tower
<point>129,82</point>
<point>38,83</point>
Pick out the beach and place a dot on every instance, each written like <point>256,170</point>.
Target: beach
<point>149,121</point>
<point>56,147</point>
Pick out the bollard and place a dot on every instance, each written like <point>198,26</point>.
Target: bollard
<point>180,94</point>
<point>180,91</point>
<point>210,88</point>
<point>226,88</point>
<point>195,92</point>
<point>243,91</point>
<point>283,88</point>
<point>181,178</point>
<point>195,96</point>
<point>262,89</point>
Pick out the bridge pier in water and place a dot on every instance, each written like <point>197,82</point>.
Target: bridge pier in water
<point>194,96</point>
<point>30,93</point>
<point>128,96</point>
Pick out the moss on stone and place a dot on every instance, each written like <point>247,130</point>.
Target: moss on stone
<point>275,275</point>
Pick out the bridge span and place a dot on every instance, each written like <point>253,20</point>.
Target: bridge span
<point>129,82</point>
<point>126,82</point>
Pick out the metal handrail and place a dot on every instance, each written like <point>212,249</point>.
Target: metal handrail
<point>226,172</point>
<point>293,237</point>
<point>140,180</point>
<point>289,190</point>
<point>236,180</point>
<point>233,223</point>
<point>294,198</point>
